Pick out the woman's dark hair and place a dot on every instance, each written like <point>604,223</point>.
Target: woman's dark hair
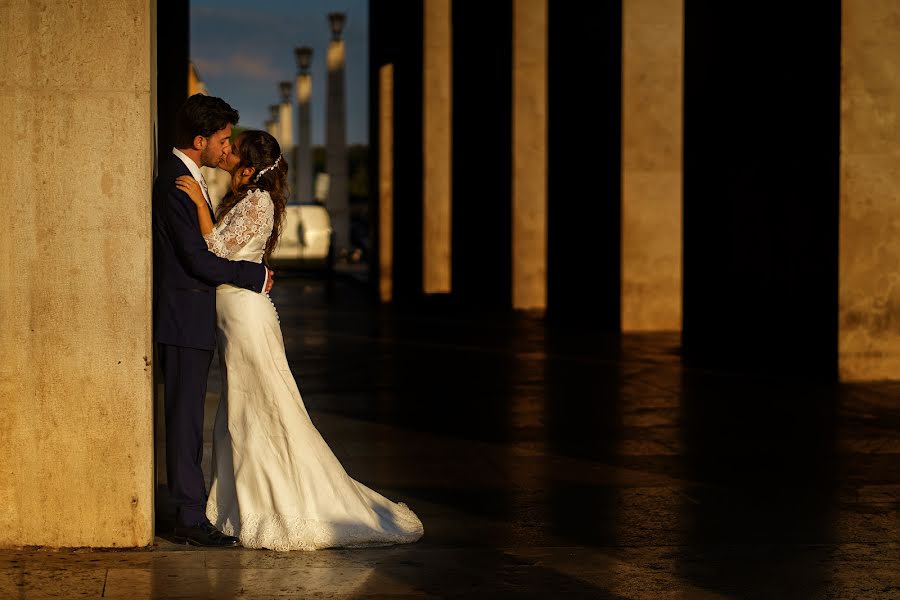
<point>202,115</point>
<point>260,150</point>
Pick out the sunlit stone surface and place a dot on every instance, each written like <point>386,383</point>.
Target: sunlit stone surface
<point>870,180</point>
<point>437,127</point>
<point>652,67</point>
<point>76,444</point>
<point>529,186</point>
<point>386,184</point>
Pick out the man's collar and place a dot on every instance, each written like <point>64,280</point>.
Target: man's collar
<point>189,163</point>
<point>195,173</point>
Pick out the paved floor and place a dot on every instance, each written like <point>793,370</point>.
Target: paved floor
<point>549,464</point>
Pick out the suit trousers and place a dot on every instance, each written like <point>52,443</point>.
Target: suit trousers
<point>185,371</point>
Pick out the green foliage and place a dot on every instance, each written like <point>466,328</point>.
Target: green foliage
<point>237,130</point>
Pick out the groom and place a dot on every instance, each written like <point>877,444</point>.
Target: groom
<point>185,278</point>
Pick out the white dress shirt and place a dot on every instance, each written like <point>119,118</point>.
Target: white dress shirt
<point>195,172</point>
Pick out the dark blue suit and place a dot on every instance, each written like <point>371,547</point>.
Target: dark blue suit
<point>185,277</point>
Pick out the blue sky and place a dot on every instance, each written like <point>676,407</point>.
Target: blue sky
<point>243,49</point>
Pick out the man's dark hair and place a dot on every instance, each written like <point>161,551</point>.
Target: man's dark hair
<point>202,115</point>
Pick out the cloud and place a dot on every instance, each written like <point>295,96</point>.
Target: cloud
<point>239,66</point>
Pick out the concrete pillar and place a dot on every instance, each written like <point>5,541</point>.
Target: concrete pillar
<point>171,57</point>
<point>303,161</point>
<point>482,156</point>
<point>285,118</point>
<point>76,458</point>
<point>386,183</point>
<point>869,288</point>
<point>584,186</point>
<point>761,198</point>
<point>437,127</point>
<point>338,203</point>
<point>273,124</point>
<point>529,149</point>
<point>652,66</point>
<point>397,42</point>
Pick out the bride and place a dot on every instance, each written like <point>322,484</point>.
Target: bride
<point>275,482</point>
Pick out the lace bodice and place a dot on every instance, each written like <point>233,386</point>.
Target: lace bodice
<point>242,233</point>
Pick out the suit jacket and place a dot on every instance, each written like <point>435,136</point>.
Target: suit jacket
<point>185,272</point>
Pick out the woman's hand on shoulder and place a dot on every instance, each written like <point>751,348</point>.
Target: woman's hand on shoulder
<point>191,187</point>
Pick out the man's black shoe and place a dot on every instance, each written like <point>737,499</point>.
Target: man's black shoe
<point>204,534</point>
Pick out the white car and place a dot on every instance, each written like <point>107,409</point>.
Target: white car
<point>306,237</point>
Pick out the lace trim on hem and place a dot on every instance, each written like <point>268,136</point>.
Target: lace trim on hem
<point>279,532</point>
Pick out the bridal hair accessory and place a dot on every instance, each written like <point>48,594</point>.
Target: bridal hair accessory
<point>267,169</point>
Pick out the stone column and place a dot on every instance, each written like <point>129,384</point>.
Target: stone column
<point>761,187</point>
<point>303,162</point>
<point>869,284</point>
<point>652,66</point>
<point>437,127</point>
<point>386,182</point>
<point>285,118</point>
<point>584,187</point>
<point>529,149</point>
<point>336,138</point>
<point>397,66</point>
<point>482,155</point>
<point>273,125</point>
<point>76,420</point>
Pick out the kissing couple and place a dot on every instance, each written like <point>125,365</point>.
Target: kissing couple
<point>275,482</point>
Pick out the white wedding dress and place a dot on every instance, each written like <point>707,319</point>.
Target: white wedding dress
<point>275,482</point>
